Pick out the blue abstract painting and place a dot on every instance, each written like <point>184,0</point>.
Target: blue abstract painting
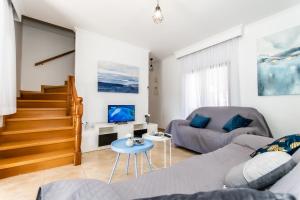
<point>114,77</point>
<point>279,63</point>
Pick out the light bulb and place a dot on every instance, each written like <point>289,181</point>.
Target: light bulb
<point>157,16</point>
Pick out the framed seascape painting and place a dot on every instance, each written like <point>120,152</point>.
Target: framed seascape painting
<point>279,63</point>
<point>118,78</point>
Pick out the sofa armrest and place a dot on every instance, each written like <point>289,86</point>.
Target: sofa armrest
<point>173,125</point>
<point>253,142</point>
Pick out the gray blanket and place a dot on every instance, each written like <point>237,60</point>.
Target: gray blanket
<point>200,173</point>
<point>213,136</point>
<point>230,194</point>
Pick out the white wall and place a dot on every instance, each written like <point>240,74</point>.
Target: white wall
<point>154,91</point>
<point>18,31</point>
<point>92,48</point>
<point>39,43</point>
<point>170,91</point>
<point>282,112</point>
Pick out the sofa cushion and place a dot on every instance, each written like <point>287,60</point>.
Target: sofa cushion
<point>199,121</point>
<point>252,141</point>
<point>236,122</point>
<point>77,190</point>
<point>296,156</point>
<point>288,144</point>
<point>261,171</point>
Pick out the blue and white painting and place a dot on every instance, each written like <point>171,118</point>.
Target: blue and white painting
<point>114,77</point>
<point>279,63</point>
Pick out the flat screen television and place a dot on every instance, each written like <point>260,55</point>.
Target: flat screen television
<point>121,113</point>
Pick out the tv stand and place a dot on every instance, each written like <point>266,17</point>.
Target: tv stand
<point>120,123</point>
<point>110,131</point>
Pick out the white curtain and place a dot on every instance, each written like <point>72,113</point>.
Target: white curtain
<point>7,59</point>
<point>206,76</point>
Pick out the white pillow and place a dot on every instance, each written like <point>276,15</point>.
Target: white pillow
<point>261,171</point>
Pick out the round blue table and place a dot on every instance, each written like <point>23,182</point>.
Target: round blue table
<point>120,146</point>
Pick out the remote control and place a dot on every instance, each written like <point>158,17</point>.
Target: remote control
<point>168,135</point>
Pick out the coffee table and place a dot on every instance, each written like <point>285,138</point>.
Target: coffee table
<point>120,146</point>
<point>164,140</point>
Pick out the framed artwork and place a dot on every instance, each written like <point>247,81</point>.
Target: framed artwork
<point>118,78</point>
<point>278,63</point>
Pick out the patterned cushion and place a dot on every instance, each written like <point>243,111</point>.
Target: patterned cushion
<point>288,144</point>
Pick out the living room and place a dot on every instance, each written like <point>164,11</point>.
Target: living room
<point>142,99</point>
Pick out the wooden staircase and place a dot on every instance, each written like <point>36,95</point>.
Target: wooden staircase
<point>45,131</point>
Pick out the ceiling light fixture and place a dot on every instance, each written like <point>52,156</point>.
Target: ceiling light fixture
<point>157,16</point>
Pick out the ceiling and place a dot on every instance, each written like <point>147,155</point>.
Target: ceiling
<point>186,21</point>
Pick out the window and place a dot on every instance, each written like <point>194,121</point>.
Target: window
<point>207,87</point>
<point>210,76</point>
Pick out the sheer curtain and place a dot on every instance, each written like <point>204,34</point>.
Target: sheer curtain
<point>206,76</point>
<point>7,59</point>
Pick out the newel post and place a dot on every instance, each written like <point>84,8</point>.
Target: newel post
<point>69,96</point>
<point>77,115</point>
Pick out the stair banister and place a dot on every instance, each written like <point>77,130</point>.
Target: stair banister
<point>75,109</point>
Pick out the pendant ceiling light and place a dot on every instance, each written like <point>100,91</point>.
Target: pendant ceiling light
<point>157,16</point>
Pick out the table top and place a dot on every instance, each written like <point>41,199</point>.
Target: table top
<point>155,138</point>
<point>121,147</point>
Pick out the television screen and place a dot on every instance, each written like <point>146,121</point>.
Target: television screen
<point>121,113</point>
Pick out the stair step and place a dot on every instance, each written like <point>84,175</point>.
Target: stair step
<point>55,89</point>
<point>42,96</point>
<point>41,103</point>
<point>34,158</point>
<point>39,112</point>
<point>33,143</point>
<point>37,123</point>
<point>16,132</point>
<point>31,134</point>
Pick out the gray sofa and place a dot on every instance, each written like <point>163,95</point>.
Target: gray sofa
<point>213,136</point>
<point>200,173</point>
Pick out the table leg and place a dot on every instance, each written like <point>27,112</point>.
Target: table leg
<point>150,156</point>
<point>170,152</point>
<point>149,164</point>
<point>114,168</point>
<point>165,154</point>
<point>135,165</point>
<point>127,164</point>
<point>142,165</point>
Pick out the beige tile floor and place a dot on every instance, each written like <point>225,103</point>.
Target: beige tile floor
<point>95,165</point>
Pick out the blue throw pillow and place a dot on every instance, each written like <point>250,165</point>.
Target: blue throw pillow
<point>236,122</point>
<point>289,144</point>
<point>199,121</point>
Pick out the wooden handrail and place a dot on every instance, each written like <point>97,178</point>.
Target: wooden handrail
<point>54,58</point>
<point>75,109</point>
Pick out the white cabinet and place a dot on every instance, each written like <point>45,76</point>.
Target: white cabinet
<point>90,134</point>
<point>124,130</point>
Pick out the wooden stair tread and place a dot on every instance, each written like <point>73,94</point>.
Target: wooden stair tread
<point>54,86</point>
<point>39,109</point>
<point>36,130</point>
<point>34,158</point>
<point>40,100</point>
<point>37,118</point>
<point>32,143</point>
<point>30,92</point>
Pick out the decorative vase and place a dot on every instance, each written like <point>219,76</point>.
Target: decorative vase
<point>147,118</point>
<point>129,142</point>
